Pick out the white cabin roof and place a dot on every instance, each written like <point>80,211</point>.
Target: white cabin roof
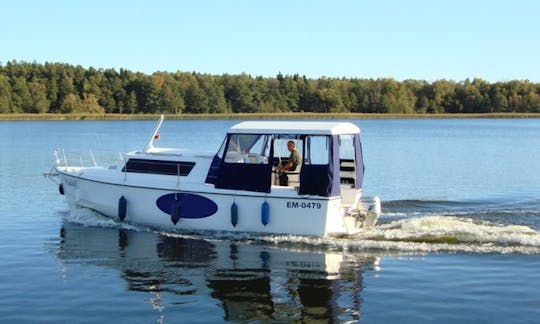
<point>294,127</point>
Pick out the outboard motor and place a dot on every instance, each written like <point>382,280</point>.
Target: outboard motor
<point>367,211</point>
<point>371,206</point>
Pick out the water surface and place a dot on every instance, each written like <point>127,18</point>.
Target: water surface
<point>460,230</point>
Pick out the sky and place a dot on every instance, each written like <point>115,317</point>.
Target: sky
<point>402,39</point>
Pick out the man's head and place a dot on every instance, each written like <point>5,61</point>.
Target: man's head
<point>291,146</point>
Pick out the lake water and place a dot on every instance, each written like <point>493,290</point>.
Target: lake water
<point>458,241</point>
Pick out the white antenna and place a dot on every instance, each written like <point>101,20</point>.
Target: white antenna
<point>150,142</point>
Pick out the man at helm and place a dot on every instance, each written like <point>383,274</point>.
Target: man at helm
<point>294,158</point>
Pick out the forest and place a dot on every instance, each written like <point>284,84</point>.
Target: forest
<point>60,88</point>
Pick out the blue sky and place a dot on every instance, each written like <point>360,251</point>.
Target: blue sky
<point>409,39</point>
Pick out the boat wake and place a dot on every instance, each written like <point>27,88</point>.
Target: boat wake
<point>424,226</point>
<point>90,218</point>
<point>409,226</point>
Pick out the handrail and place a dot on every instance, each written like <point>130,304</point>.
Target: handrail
<point>105,158</point>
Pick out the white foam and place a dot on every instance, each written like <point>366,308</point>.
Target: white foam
<point>435,234</point>
<point>88,217</point>
<point>459,229</point>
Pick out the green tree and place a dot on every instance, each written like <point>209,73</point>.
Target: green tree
<point>5,95</point>
<point>288,87</point>
<point>396,98</point>
<point>65,88</point>
<point>89,104</point>
<point>214,94</point>
<point>51,83</point>
<point>146,92</point>
<point>238,94</point>
<point>498,100</point>
<point>20,96</point>
<point>473,96</point>
<point>38,95</point>
<point>195,100</point>
<point>71,104</point>
<point>131,103</point>
<point>443,98</point>
<point>172,99</point>
<point>327,98</point>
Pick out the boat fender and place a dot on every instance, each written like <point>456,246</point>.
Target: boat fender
<point>265,213</point>
<point>122,208</point>
<point>61,189</point>
<point>175,211</point>
<point>234,214</point>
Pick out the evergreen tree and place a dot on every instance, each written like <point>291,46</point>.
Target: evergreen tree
<point>5,95</point>
<point>195,100</point>
<point>20,96</point>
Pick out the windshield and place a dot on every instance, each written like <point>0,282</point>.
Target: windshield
<point>248,148</point>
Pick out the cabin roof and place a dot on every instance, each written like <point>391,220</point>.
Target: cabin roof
<point>294,127</point>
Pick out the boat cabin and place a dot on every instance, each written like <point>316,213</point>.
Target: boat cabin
<point>330,158</point>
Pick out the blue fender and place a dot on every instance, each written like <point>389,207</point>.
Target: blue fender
<point>265,213</point>
<point>122,208</point>
<point>234,214</point>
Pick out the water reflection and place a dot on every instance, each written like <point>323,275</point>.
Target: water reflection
<point>252,281</point>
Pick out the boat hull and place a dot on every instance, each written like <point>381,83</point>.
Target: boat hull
<point>202,207</point>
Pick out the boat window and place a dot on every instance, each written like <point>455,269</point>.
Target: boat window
<point>158,167</point>
<point>346,147</point>
<point>281,152</point>
<point>222,148</point>
<point>317,150</point>
<point>248,148</point>
<point>347,164</point>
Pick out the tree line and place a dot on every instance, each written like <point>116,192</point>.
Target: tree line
<point>62,88</point>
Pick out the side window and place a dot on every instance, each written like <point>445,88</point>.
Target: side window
<point>347,165</point>
<point>222,149</point>
<point>281,146</point>
<point>317,150</point>
<point>158,167</point>
<point>346,147</point>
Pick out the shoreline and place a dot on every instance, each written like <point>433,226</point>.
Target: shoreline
<point>255,116</point>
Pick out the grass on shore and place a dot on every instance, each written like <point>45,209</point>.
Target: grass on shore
<point>258,116</point>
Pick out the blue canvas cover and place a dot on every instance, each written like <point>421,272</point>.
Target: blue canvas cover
<point>321,179</point>
<point>212,175</point>
<point>315,179</point>
<point>244,176</point>
<point>334,166</point>
<point>239,176</point>
<point>360,168</point>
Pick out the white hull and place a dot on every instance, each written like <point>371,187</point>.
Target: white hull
<point>288,213</point>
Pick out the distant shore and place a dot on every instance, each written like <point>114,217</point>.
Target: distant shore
<point>259,116</point>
